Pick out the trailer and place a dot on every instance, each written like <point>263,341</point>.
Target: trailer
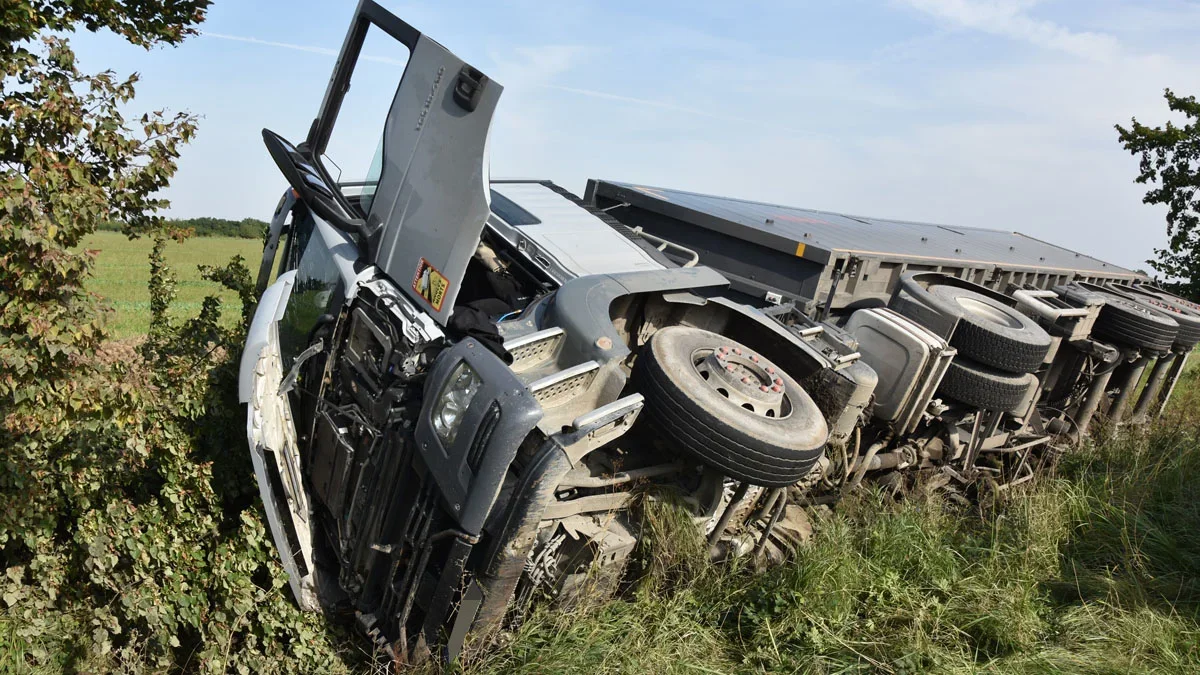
<point>1040,338</point>
<point>777,254</point>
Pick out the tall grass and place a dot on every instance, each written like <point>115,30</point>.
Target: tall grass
<point>1093,569</point>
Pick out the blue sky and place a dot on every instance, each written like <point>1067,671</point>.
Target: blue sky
<point>987,113</point>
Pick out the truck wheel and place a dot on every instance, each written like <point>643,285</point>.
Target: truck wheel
<point>1188,318</point>
<point>979,386</point>
<point>729,407</point>
<point>994,334</point>
<point>1125,322</point>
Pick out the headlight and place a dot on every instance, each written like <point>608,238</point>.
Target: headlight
<point>453,402</point>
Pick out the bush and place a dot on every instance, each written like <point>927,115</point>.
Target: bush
<point>129,532</point>
<point>142,543</point>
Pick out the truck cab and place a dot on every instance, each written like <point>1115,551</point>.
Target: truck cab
<point>459,388</point>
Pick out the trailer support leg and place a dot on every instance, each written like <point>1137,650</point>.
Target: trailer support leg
<point>1128,381</point>
<point>781,496</point>
<point>1087,409</point>
<point>986,424</point>
<point>723,523</point>
<point>1153,385</point>
<point>1172,380</point>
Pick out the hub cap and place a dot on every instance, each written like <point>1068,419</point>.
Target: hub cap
<point>986,311</point>
<point>745,378</point>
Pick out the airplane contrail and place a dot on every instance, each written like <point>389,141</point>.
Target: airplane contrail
<point>666,105</point>
<point>268,43</point>
<point>324,51</point>
<point>591,93</point>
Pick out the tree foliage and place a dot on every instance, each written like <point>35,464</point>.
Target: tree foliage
<point>128,527</point>
<point>142,22</point>
<point>1170,164</point>
<point>246,228</point>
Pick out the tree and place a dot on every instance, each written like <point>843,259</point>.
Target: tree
<point>1170,164</point>
<point>129,535</point>
<point>68,161</point>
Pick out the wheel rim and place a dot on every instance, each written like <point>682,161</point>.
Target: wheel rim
<point>744,378</point>
<point>1168,306</point>
<point>985,311</point>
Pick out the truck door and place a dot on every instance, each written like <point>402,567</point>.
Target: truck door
<point>425,197</point>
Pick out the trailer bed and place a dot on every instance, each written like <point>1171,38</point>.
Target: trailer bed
<point>778,254</point>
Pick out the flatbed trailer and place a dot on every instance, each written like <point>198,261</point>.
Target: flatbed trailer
<point>826,266</point>
<point>819,260</point>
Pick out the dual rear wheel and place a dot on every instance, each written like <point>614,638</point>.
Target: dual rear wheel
<point>729,407</point>
<point>998,347</point>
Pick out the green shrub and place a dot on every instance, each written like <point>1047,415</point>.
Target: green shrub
<point>129,532</point>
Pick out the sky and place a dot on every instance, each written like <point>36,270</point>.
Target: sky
<point>983,113</point>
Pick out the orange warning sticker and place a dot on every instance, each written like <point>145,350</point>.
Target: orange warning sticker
<point>430,284</point>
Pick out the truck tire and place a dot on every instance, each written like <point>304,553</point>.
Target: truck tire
<point>979,386</point>
<point>994,334</point>
<point>913,310</point>
<point>1188,318</point>
<point>1125,322</point>
<point>705,397</point>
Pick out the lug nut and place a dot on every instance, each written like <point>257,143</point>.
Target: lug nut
<point>737,350</point>
<point>723,349</point>
<point>779,381</point>
<point>745,380</point>
<point>770,370</point>
<point>729,368</point>
<point>754,358</point>
<point>777,389</point>
<point>763,388</point>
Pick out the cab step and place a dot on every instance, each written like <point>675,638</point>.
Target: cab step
<point>565,384</point>
<point>533,350</point>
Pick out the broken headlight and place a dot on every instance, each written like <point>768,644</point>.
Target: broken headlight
<point>453,402</point>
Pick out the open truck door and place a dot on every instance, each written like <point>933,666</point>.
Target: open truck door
<point>417,215</point>
<point>425,199</point>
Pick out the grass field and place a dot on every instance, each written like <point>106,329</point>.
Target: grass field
<point>123,270</point>
<point>1093,568</point>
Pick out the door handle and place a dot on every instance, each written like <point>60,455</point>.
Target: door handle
<point>468,88</point>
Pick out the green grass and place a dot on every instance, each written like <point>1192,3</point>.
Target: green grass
<point>122,272</point>
<point>1094,569</point>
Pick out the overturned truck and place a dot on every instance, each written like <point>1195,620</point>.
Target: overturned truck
<point>1033,327</point>
<point>459,389</point>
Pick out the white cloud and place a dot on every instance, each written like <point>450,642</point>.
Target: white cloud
<point>674,107</point>
<point>536,65</point>
<point>1008,18</point>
